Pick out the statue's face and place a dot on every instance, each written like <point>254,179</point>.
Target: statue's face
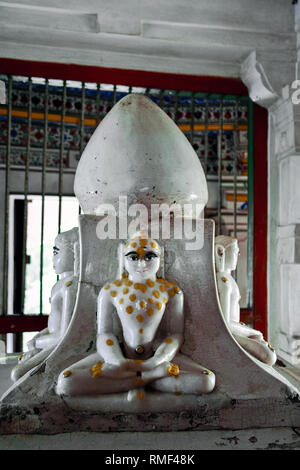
<point>232,254</point>
<point>141,266</point>
<point>63,258</point>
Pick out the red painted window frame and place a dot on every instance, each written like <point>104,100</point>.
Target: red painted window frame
<point>208,84</point>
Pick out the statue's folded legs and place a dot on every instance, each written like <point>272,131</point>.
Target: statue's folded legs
<point>144,350</point>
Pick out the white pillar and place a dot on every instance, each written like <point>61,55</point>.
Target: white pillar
<point>283,207</point>
<point>284,226</point>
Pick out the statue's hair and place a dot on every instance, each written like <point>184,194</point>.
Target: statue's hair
<point>68,238</point>
<point>225,241</point>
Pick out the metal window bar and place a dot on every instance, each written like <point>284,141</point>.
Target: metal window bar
<point>46,101</point>
<point>98,100</point>
<point>220,194</point>
<point>26,187</point>
<point>7,185</point>
<point>61,152</point>
<point>94,100</point>
<point>206,137</point>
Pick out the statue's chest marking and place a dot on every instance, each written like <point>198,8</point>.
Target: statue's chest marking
<point>143,303</point>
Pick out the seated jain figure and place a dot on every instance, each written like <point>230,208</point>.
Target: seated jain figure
<point>226,254</point>
<point>63,296</point>
<point>145,351</point>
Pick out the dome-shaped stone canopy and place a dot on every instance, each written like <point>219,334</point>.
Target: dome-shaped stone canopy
<point>138,151</point>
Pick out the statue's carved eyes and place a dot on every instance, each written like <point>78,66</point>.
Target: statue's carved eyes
<point>133,257</point>
<point>149,256</point>
<point>55,250</point>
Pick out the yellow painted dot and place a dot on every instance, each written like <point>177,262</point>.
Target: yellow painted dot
<point>125,290</point>
<point>141,330</point>
<point>156,294</point>
<point>168,284</point>
<point>68,283</point>
<point>142,304</point>
<point>113,293</point>
<point>165,300</point>
<point>140,318</point>
<point>141,252</point>
<point>117,282</point>
<point>177,289</point>
<point>138,361</point>
<point>161,281</point>
<point>153,244</point>
<point>171,292</point>
<point>150,283</point>
<point>158,305</point>
<point>124,276</point>
<point>143,287</point>
<point>107,287</point>
<point>109,342</point>
<point>173,370</point>
<point>169,341</point>
<point>127,282</point>
<point>20,357</point>
<point>67,373</point>
<point>224,279</point>
<point>132,297</point>
<point>162,288</point>
<point>96,370</point>
<point>121,301</point>
<point>141,395</point>
<point>206,372</point>
<point>143,241</point>
<point>129,309</point>
<point>151,301</point>
<point>149,311</point>
<point>133,245</point>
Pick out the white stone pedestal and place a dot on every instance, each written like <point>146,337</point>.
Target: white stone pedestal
<point>247,394</point>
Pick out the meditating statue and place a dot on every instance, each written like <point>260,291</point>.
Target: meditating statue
<point>140,328</point>
<point>63,295</point>
<point>226,257</point>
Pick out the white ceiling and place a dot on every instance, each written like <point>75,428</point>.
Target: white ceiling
<point>188,36</point>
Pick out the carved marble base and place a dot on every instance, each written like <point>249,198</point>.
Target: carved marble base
<point>168,413</point>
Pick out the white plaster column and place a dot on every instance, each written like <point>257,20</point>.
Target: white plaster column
<point>284,226</point>
<point>283,202</point>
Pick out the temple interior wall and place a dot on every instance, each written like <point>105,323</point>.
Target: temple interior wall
<point>255,40</point>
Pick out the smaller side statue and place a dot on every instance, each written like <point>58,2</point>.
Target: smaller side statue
<point>140,332</point>
<point>226,257</point>
<point>63,296</point>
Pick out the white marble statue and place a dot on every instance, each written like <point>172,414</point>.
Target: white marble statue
<point>226,257</point>
<point>140,331</point>
<point>63,296</point>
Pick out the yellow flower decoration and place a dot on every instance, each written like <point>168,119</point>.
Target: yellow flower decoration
<point>96,370</point>
<point>173,370</point>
